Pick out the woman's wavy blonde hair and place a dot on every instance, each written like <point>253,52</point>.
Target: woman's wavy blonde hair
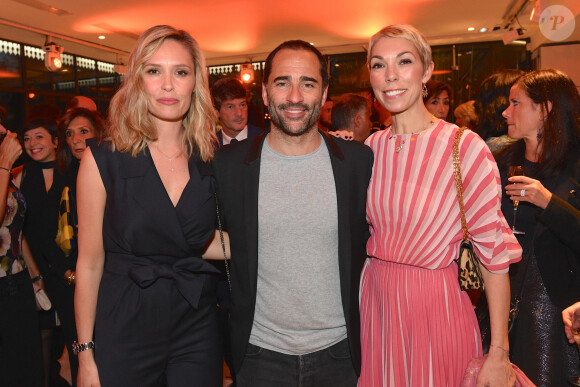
<point>130,125</point>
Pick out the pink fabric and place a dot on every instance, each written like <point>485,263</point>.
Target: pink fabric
<point>474,366</point>
<point>417,327</point>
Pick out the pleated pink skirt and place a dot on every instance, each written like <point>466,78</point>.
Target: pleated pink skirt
<point>417,327</point>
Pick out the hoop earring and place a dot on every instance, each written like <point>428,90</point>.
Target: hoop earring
<point>424,91</point>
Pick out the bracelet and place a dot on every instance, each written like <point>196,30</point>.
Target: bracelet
<point>37,278</point>
<point>8,170</point>
<point>502,348</point>
<point>82,347</point>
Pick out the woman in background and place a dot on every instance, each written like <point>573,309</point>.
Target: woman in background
<point>20,350</point>
<point>41,183</point>
<point>437,98</point>
<point>417,326</point>
<point>492,100</point>
<point>74,128</point>
<point>465,115</point>
<point>544,119</point>
<point>146,214</point>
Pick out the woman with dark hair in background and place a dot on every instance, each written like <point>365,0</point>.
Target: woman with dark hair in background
<point>437,98</point>
<point>492,100</point>
<point>146,215</point>
<point>544,119</point>
<point>74,128</point>
<point>41,184</point>
<point>20,349</point>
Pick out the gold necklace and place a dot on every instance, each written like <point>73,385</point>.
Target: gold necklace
<point>400,143</point>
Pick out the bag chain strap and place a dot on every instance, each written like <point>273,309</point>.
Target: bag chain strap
<point>217,209</point>
<point>458,182</point>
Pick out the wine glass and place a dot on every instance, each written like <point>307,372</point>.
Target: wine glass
<point>516,170</point>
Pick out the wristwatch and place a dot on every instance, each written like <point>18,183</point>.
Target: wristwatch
<point>82,347</point>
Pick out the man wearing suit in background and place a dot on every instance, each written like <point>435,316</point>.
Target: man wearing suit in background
<point>294,203</point>
<point>231,105</point>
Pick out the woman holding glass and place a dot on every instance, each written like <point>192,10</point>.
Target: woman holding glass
<point>417,326</point>
<point>544,118</point>
<point>147,211</point>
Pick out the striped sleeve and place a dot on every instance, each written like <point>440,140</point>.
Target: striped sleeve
<point>493,240</point>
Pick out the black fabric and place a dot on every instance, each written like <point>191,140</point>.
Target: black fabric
<point>40,229</point>
<point>549,276</point>
<point>253,132</point>
<point>149,321</point>
<point>237,170</point>
<point>20,354</point>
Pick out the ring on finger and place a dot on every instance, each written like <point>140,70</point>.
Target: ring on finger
<point>523,192</point>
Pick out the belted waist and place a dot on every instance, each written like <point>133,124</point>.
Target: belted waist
<point>144,271</point>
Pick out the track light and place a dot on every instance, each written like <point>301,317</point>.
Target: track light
<point>247,72</point>
<point>52,59</point>
<point>511,35</point>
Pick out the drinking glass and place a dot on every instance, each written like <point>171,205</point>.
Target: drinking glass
<point>516,170</point>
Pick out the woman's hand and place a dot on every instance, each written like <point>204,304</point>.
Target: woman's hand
<point>88,375</point>
<point>571,318</point>
<point>534,192</point>
<point>496,370</point>
<point>10,150</point>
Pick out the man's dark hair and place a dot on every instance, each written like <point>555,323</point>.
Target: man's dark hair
<point>296,45</point>
<point>226,89</point>
<point>345,108</point>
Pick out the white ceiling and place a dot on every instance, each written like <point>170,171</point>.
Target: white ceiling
<point>233,31</point>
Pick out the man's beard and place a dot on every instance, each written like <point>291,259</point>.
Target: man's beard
<point>309,122</point>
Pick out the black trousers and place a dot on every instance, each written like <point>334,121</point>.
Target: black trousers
<point>20,351</point>
<point>153,337</point>
<point>62,297</point>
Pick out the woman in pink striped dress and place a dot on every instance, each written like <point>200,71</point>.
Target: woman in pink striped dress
<point>417,327</point>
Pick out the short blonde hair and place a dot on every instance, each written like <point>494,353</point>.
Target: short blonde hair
<point>131,127</point>
<point>407,32</point>
<point>467,110</point>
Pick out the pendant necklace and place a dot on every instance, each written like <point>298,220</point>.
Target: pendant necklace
<point>400,143</point>
<point>170,158</point>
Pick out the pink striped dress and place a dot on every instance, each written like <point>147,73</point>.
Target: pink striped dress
<point>417,327</point>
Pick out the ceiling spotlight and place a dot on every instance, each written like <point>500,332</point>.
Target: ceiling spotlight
<point>102,37</point>
<point>246,72</point>
<point>495,28</point>
<point>483,29</point>
<point>52,59</point>
<point>471,29</point>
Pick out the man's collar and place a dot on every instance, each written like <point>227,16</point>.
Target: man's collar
<point>242,135</point>
<point>255,150</point>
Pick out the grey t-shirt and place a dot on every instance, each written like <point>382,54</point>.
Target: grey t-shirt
<point>298,302</point>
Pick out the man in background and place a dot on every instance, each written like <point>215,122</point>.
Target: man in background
<point>352,113</point>
<point>230,101</point>
<point>325,120</point>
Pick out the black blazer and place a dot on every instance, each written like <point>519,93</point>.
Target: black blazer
<point>557,240</point>
<point>237,170</point>
<point>253,132</point>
